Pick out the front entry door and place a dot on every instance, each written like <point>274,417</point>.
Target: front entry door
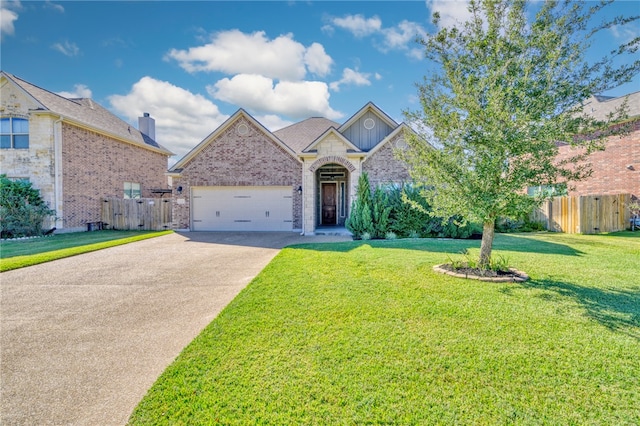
<point>329,203</point>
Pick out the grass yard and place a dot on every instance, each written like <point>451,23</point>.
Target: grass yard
<point>366,333</point>
<point>20,253</point>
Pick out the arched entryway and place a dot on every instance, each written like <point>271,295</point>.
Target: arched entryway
<point>332,195</point>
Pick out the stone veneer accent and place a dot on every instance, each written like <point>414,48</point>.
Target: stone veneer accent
<point>96,166</point>
<point>251,159</point>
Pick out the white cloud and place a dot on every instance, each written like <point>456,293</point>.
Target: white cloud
<point>8,18</point>
<point>183,119</point>
<point>273,122</point>
<point>358,25</point>
<point>350,76</point>
<point>398,37</point>
<point>452,12</point>
<point>234,52</point>
<point>53,6</point>
<point>257,93</point>
<point>66,48</point>
<point>625,33</point>
<point>79,91</point>
<point>317,61</point>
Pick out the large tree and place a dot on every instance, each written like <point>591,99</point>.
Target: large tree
<point>503,92</point>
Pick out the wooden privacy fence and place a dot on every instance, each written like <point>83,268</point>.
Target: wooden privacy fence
<point>589,214</point>
<point>153,214</point>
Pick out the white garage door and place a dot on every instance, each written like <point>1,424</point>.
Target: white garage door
<point>242,208</point>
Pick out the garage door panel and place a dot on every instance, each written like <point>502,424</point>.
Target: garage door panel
<point>258,208</point>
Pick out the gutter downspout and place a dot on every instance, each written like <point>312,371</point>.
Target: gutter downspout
<point>57,172</point>
<point>302,200</point>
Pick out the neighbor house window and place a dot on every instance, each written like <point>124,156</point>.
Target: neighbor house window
<point>132,190</point>
<point>547,190</point>
<point>14,133</point>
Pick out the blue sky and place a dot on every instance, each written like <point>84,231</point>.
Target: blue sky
<point>193,64</point>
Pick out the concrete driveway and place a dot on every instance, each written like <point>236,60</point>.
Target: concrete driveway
<point>83,338</point>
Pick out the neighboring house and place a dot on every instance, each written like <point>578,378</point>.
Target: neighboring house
<point>300,178</point>
<point>75,151</point>
<point>616,170</point>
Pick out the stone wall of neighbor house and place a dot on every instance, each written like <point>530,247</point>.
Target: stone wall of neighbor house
<point>234,159</point>
<point>616,170</point>
<point>383,167</point>
<point>36,163</point>
<point>96,166</point>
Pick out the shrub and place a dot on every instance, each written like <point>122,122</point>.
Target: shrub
<point>524,224</point>
<point>409,214</point>
<point>22,210</point>
<point>403,211</point>
<point>380,213</point>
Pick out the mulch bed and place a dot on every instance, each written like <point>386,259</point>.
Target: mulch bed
<point>512,275</point>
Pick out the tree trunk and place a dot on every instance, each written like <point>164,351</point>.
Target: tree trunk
<point>488,231</point>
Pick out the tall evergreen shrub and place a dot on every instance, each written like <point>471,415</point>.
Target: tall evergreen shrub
<point>360,219</point>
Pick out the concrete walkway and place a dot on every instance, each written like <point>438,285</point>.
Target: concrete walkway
<point>83,338</point>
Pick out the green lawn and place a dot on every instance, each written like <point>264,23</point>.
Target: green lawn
<point>366,333</point>
<point>20,253</point>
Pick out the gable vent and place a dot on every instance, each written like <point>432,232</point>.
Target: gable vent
<point>369,123</point>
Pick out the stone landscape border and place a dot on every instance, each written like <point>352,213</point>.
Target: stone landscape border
<point>517,277</point>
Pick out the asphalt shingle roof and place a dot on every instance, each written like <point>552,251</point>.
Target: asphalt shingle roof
<point>88,112</point>
<point>600,107</point>
<point>300,135</point>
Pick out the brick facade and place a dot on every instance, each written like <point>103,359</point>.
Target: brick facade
<point>235,159</point>
<point>383,167</point>
<point>307,156</point>
<point>96,166</point>
<point>616,170</point>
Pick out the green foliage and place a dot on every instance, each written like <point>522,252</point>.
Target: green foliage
<point>506,89</point>
<point>360,220</point>
<point>380,213</point>
<point>22,210</point>
<point>524,224</point>
<point>404,212</point>
<point>469,259</point>
<point>409,216</point>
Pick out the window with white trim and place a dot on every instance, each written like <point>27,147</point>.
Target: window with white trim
<point>14,133</point>
<point>132,190</point>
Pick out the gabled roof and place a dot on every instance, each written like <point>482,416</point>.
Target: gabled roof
<point>370,106</point>
<point>300,135</point>
<point>85,112</point>
<point>332,131</point>
<point>599,107</point>
<point>401,128</point>
<point>241,113</point>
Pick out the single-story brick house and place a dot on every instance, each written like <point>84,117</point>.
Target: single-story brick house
<point>75,151</point>
<point>616,170</point>
<point>299,178</point>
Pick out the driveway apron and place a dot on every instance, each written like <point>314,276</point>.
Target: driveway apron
<point>84,338</point>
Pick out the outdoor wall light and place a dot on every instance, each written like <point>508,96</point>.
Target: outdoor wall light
<point>179,189</point>
<point>300,190</point>
<point>630,167</point>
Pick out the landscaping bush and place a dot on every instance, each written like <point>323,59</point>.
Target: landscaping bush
<point>524,224</point>
<point>360,220</point>
<point>402,211</point>
<point>22,210</point>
